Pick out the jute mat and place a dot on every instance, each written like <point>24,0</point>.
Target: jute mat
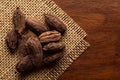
<point>74,39</point>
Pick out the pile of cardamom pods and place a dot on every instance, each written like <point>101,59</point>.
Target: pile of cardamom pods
<point>38,44</point>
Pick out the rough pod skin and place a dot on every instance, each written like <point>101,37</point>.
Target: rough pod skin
<point>50,36</point>
<point>19,21</point>
<point>54,46</point>
<point>12,40</point>
<point>22,47</point>
<point>34,48</point>
<point>34,58</point>
<point>55,23</point>
<point>25,64</point>
<point>36,26</point>
<point>51,58</point>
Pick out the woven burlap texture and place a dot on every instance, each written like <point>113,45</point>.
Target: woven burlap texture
<point>75,45</point>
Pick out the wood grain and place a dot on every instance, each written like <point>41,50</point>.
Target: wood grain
<point>101,20</point>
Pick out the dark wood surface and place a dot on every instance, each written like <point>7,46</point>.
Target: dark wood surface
<point>101,20</point>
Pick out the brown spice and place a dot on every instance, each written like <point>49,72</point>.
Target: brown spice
<point>36,26</point>
<point>54,46</point>
<point>25,35</point>
<point>19,21</point>
<point>34,57</point>
<point>55,23</point>
<point>25,64</point>
<point>22,47</point>
<point>51,58</point>
<point>12,40</point>
<point>50,36</point>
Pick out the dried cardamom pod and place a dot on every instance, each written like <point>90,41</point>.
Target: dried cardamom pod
<point>28,34</point>
<point>34,45</point>
<point>55,23</point>
<point>51,58</point>
<point>12,40</point>
<point>50,36</point>
<point>22,47</point>
<point>25,64</point>
<point>54,46</point>
<point>34,48</point>
<point>34,58</point>
<point>37,60</point>
<point>19,21</point>
<point>36,26</point>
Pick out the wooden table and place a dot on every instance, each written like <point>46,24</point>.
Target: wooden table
<point>101,20</point>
